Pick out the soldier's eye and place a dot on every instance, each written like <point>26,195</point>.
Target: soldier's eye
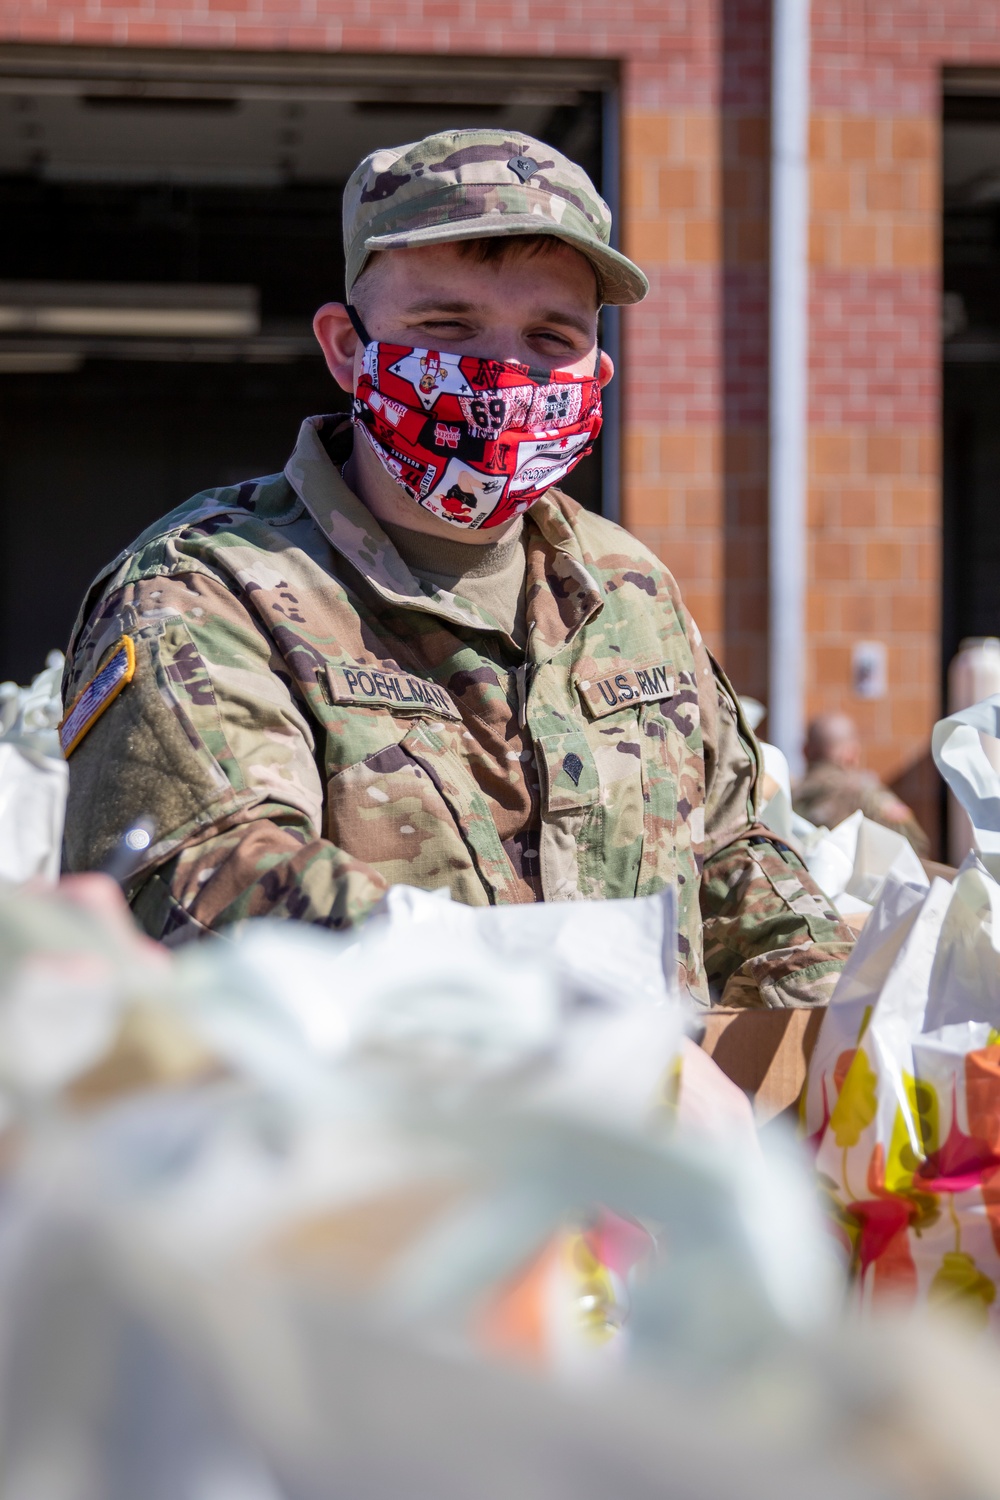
<point>550,336</point>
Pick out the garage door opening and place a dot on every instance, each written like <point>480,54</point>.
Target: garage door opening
<point>971,357</point>
<point>172,221</point>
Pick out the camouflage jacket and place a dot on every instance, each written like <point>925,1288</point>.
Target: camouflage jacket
<point>307,727</point>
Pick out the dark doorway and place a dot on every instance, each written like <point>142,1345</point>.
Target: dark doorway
<point>171,222</point>
<point>971,357</point>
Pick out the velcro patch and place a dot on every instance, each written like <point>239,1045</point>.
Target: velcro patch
<point>102,690</point>
<point>376,688</point>
<point>623,689</point>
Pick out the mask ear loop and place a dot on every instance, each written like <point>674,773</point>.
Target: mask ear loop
<point>359,327</point>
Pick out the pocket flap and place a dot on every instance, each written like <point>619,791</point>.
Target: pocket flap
<point>569,771</point>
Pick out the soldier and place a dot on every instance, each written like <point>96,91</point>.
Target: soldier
<point>835,786</point>
<point>410,658</point>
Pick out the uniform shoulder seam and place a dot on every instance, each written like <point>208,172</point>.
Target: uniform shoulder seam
<point>600,535</point>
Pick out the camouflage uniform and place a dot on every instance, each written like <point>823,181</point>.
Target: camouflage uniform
<point>307,727</point>
<point>828,794</point>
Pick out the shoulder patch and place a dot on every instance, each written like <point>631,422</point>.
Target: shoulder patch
<point>102,689</point>
<point>376,688</point>
<point>623,689</point>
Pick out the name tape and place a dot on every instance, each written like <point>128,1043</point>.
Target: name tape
<point>626,688</point>
<point>375,688</point>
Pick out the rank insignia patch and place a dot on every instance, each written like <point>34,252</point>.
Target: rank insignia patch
<point>101,690</point>
<point>523,167</point>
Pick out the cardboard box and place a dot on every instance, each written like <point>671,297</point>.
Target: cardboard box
<point>765,1052</point>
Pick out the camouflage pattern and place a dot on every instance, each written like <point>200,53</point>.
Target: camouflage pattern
<point>474,184</point>
<point>308,727</point>
<point>828,794</point>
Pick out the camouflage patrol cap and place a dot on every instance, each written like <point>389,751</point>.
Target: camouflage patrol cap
<point>471,184</point>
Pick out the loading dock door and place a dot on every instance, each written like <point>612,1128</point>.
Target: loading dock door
<point>172,221</point>
<point>971,356</point>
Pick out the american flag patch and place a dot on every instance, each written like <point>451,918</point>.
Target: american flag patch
<point>101,690</point>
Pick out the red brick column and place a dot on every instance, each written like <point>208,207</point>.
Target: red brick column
<point>672,491</point>
<point>874,503</point>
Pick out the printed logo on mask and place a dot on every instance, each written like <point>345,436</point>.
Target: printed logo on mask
<point>446,437</point>
<point>390,410</point>
<point>428,375</point>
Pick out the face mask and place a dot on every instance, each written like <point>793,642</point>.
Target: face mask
<point>474,441</point>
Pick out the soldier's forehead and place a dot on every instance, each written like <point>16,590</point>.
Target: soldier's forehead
<point>426,273</point>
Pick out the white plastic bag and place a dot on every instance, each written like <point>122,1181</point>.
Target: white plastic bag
<point>268,1281</point>
<point>871,854</point>
<point>960,757</point>
<point>33,776</point>
<point>903,1093</point>
<point>852,862</point>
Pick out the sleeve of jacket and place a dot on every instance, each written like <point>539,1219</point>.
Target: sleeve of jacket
<point>771,936</point>
<point>210,742</point>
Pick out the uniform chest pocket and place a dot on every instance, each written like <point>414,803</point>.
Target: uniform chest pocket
<point>673,774</point>
<point>618,754</point>
<point>570,844</point>
<point>402,810</point>
<point>672,752</point>
<point>568,772</point>
<point>630,713</point>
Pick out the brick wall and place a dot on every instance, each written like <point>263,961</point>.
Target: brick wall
<point>672,494</point>
<point>874,485</point>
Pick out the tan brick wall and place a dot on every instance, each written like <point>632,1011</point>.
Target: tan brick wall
<point>670,200</point>
<point>874,567</point>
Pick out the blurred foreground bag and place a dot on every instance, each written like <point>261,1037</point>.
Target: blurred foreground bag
<point>33,776</point>
<point>303,1216</point>
<point>903,1092</point>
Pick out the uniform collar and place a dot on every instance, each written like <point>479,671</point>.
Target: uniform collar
<point>562,592</point>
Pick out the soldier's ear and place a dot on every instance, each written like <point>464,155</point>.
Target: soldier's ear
<point>605,369</point>
<point>338,341</point>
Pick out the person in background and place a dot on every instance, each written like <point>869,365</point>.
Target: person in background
<point>835,784</point>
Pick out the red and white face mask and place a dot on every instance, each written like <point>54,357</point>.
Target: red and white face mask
<point>474,441</point>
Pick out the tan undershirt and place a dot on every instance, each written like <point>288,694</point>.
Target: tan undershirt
<point>491,577</point>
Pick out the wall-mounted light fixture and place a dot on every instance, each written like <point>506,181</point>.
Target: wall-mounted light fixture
<point>127,310</point>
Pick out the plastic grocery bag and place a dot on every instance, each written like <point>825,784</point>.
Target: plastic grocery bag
<point>416,1120</point>
<point>256,1242</point>
<point>33,776</point>
<point>903,1092</point>
<point>849,863</point>
<point>126,1374</point>
<point>852,862</point>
